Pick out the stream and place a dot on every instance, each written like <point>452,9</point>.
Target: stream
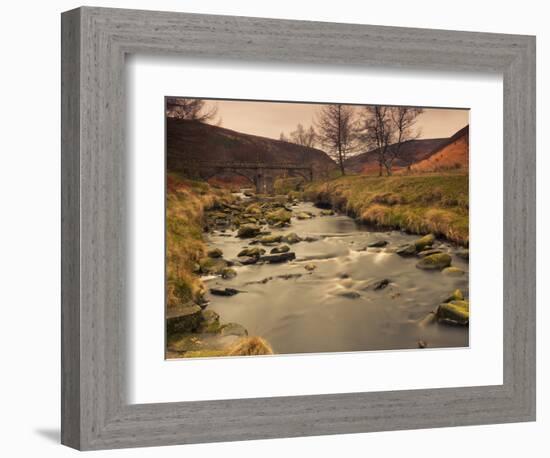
<point>315,312</point>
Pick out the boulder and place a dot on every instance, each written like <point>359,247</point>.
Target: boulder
<point>224,291</point>
<point>326,212</point>
<point>278,216</point>
<point>434,262</point>
<point>424,242</point>
<point>248,231</point>
<point>429,252</point>
<point>247,260</point>
<point>406,250</point>
<point>251,251</point>
<point>270,239</point>
<point>253,209</point>
<point>310,267</point>
<point>228,273</point>
<point>276,258</point>
<point>453,271</point>
<point>380,284</point>
<point>215,253</point>
<point>378,244</point>
<point>210,322</point>
<point>280,249</point>
<point>456,296</point>
<point>304,215</point>
<point>212,266</point>
<point>454,312</point>
<point>183,319</point>
<point>291,238</point>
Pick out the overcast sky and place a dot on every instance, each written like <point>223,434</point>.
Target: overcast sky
<point>269,119</point>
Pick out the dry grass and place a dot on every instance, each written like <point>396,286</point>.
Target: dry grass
<point>185,204</point>
<point>435,203</point>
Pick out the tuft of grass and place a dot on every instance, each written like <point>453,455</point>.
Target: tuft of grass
<point>436,203</point>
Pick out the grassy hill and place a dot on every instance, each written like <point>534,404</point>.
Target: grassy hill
<point>418,204</point>
<point>189,141</point>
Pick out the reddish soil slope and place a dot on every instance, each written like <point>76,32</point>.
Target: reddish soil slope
<point>453,155</point>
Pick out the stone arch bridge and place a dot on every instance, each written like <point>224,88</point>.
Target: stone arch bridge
<point>260,174</point>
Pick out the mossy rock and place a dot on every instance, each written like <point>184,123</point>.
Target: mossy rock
<point>210,322</point>
<point>406,250</point>
<point>434,262</point>
<point>304,215</point>
<point>454,312</point>
<point>248,260</point>
<point>253,209</point>
<point>212,266</point>
<point>278,216</point>
<point>270,239</point>
<point>424,242</point>
<point>252,252</point>
<point>453,271</point>
<point>248,231</point>
<point>280,249</point>
<point>327,212</point>
<point>429,252</point>
<point>228,273</point>
<point>215,253</point>
<point>291,238</point>
<point>456,296</point>
<point>183,319</point>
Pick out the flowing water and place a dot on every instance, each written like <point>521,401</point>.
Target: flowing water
<point>308,313</point>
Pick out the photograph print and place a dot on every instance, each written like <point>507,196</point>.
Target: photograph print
<point>299,228</point>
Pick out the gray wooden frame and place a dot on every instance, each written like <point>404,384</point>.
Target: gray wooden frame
<point>95,413</point>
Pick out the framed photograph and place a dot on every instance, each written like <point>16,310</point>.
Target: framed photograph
<point>285,228</point>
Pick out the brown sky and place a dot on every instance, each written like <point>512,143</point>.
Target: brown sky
<point>269,119</point>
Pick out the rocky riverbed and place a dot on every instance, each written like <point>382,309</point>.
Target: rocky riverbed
<point>309,280</point>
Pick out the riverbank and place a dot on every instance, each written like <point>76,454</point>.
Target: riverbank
<point>186,202</point>
<point>192,330</point>
<point>420,204</point>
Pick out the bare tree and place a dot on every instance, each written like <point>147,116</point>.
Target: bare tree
<point>386,129</point>
<point>304,137</point>
<point>190,109</point>
<point>403,122</point>
<point>337,131</point>
<point>283,137</point>
<point>376,132</point>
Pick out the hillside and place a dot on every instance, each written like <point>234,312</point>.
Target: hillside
<point>189,141</point>
<point>411,152</point>
<point>452,155</point>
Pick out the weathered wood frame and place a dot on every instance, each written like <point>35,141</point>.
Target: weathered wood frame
<point>95,414</point>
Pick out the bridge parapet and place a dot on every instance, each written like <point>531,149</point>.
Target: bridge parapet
<point>261,174</point>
